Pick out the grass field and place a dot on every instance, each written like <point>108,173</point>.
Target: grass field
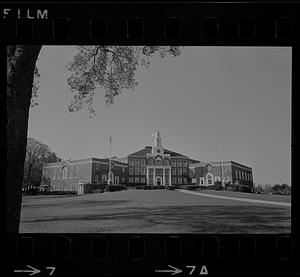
<point>156,211</point>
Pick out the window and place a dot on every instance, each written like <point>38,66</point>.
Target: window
<point>217,179</point>
<point>104,178</point>
<point>158,151</point>
<point>158,161</point>
<point>143,162</point>
<point>143,171</point>
<point>143,180</point>
<point>201,180</point>
<point>131,162</point>
<point>131,171</point>
<point>137,170</point>
<point>116,180</point>
<point>150,161</point>
<point>184,170</point>
<point>123,180</point>
<point>96,178</point>
<point>167,181</point>
<point>209,179</point>
<point>137,179</point>
<point>130,179</point>
<point>65,173</point>
<point>167,171</point>
<point>185,163</point>
<point>179,180</point>
<point>75,172</point>
<point>179,163</point>
<point>184,180</point>
<point>173,171</point>
<point>71,172</point>
<point>173,163</point>
<point>174,181</point>
<point>179,171</point>
<point>166,162</point>
<point>137,162</point>
<point>123,169</point>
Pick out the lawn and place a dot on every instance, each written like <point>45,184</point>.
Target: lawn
<point>156,211</point>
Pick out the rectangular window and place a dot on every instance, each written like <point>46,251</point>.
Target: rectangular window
<point>184,170</point>
<point>150,161</point>
<point>137,170</point>
<point>137,179</point>
<point>201,180</point>
<point>179,164</point>
<point>179,180</point>
<point>104,178</point>
<point>174,181</point>
<point>166,162</point>
<point>116,180</point>
<point>131,162</point>
<point>130,179</point>
<point>194,180</point>
<point>137,162</point>
<point>131,171</point>
<point>142,162</point>
<point>185,180</point>
<point>143,180</point>
<point>173,163</point>
<point>96,178</point>
<point>143,171</point>
<point>173,171</point>
<point>167,181</point>
<point>123,180</point>
<point>167,171</point>
<point>179,171</point>
<point>185,163</point>
<point>217,178</point>
<point>123,169</point>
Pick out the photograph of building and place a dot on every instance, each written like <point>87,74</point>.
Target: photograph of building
<point>68,175</point>
<point>157,166</point>
<point>226,172</point>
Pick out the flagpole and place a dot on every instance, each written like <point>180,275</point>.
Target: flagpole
<point>109,170</point>
<point>222,167</point>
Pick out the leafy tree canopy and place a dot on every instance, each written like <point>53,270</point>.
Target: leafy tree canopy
<point>111,67</point>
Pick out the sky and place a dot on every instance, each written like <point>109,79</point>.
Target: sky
<point>209,103</point>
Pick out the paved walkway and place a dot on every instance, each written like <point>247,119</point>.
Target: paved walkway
<point>237,198</point>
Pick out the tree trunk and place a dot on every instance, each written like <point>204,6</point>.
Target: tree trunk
<point>21,61</point>
<point>28,177</point>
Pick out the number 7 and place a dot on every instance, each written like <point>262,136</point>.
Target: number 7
<point>52,268</point>
<point>192,267</point>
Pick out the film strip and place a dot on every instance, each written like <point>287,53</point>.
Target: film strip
<point>206,24</point>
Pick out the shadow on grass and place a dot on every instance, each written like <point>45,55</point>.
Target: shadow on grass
<point>187,219</point>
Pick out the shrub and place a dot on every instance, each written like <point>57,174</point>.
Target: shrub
<point>115,188</point>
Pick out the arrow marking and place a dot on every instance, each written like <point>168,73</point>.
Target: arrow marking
<point>172,271</point>
<point>32,271</point>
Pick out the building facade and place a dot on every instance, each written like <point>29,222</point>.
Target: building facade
<point>229,172</point>
<point>157,166</point>
<point>68,175</point>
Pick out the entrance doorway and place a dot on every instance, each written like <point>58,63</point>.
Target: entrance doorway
<point>158,181</point>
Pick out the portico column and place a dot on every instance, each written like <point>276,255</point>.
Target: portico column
<point>147,176</point>
<point>164,176</point>
<point>154,183</point>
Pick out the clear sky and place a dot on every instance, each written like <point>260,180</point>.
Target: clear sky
<point>237,99</point>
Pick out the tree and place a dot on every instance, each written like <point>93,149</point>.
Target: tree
<point>21,61</point>
<point>37,154</point>
<point>112,67</point>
